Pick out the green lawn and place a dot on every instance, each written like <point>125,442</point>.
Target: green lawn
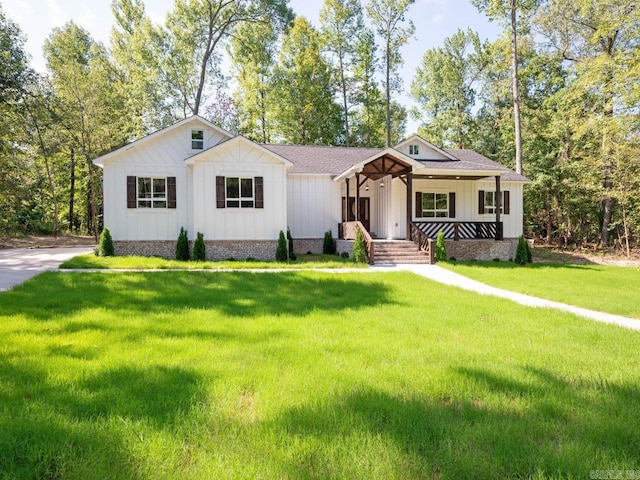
<point>305,375</point>
<point>597,287</point>
<point>133,262</point>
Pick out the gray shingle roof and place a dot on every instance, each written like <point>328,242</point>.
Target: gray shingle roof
<point>309,159</point>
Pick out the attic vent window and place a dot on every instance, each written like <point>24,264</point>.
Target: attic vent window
<point>197,139</point>
<point>413,150</point>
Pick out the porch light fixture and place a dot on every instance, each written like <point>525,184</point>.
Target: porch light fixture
<point>366,187</point>
<point>381,184</point>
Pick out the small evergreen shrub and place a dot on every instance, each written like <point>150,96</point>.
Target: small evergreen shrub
<point>292,256</point>
<point>182,247</point>
<point>105,249</point>
<point>359,251</point>
<point>281,251</point>
<point>199,249</point>
<point>328,244</point>
<point>344,255</point>
<point>441,248</point>
<point>529,252</point>
<point>521,251</point>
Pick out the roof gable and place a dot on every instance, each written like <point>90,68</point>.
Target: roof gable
<point>239,141</point>
<point>426,150</point>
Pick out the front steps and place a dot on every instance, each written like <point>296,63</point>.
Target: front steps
<point>398,251</point>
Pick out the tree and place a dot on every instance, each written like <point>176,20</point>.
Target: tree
<point>306,113</point>
<point>387,17</point>
<point>445,90</point>
<point>341,21</point>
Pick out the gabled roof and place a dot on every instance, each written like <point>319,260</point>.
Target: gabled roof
<point>100,160</point>
<point>429,144</point>
<point>311,160</point>
<point>476,161</point>
<point>237,139</point>
<point>389,152</point>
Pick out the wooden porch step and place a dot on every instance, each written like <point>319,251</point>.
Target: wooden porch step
<point>399,251</point>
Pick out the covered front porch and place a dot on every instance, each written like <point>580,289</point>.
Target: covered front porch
<point>385,197</point>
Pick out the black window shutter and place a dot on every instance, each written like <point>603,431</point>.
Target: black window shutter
<point>171,192</point>
<point>259,192</point>
<point>452,205</point>
<point>505,207</point>
<point>220,193</point>
<point>481,202</point>
<point>418,212</point>
<point>131,192</point>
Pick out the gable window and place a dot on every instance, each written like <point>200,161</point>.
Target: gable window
<point>487,202</point>
<point>197,139</point>
<point>151,192</point>
<point>413,150</point>
<point>239,192</point>
<point>435,205</point>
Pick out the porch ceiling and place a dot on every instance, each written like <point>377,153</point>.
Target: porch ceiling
<point>383,166</point>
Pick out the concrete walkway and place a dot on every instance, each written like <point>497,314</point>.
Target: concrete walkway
<point>20,264</point>
<point>448,277</point>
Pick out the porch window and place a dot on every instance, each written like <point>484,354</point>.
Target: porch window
<point>239,192</point>
<point>152,192</point>
<point>488,202</point>
<point>413,150</point>
<point>197,139</point>
<point>435,205</point>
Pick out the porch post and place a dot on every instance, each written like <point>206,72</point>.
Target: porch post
<point>357,197</point>
<point>498,206</point>
<point>409,203</point>
<point>346,203</point>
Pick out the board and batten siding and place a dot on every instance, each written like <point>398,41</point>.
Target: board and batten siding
<point>239,159</point>
<point>314,205</point>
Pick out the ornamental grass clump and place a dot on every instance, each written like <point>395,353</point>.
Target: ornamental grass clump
<point>281,250</point>
<point>440,254</point>
<point>182,247</point>
<point>199,249</point>
<point>105,248</point>
<point>359,251</point>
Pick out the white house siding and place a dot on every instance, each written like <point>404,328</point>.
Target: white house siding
<point>314,205</point>
<point>239,159</point>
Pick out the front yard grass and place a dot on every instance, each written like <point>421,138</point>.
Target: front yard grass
<point>597,287</point>
<point>305,375</point>
<point>133,262</point>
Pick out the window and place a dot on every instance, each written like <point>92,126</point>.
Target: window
<point>239,192</point>
<point>152,192</point>
<point>435,205</point>
<point>197,139</point>
<point>413,150</point>
<point>488,202</point>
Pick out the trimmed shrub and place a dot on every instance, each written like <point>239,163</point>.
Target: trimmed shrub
<point>328,244</point>
<point>105,248</point>
<point>440,255</point>
<point>529,252</point>
<point>292,256</point>
<point>199,249</point>
<point>359,252</point>
<point>281,251</point>
<point>344,255</point>
<point>521,251</point>
<point>182,247</point>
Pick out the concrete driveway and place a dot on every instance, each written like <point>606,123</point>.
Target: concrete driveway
<point>20,264</point>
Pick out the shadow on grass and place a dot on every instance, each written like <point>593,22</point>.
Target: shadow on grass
<point>508,429</point>
<point>530,266</point>
<point>233,294</point>
<point>57,429</point>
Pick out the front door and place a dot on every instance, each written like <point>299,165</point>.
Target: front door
<point>364,211</point>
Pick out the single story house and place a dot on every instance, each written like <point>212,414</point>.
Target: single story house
<point>241,194</point>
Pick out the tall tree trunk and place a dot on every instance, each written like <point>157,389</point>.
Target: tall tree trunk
<point>549,218</point>
<point>345,105</point>
<point>72,189</point>
<point>516,90</point>
<point>92,202</point>
<point>388,92</point>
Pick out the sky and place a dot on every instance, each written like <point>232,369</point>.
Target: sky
<point>434,20</point>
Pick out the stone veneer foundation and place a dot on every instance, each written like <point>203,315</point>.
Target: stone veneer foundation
<point>215,249</point>
<point>482,249</point>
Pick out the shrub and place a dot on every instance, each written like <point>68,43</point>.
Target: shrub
<point>281,251</point>
<point>182,247</point>
<point>199,249</point>
<point>529,252</point>
<point>359,252</point>
<point>105,248</point>
<point>521,251</point>
<point>344,255</point>
<point>292,256</point>
<point>328,244</point>
<point>441,248</point>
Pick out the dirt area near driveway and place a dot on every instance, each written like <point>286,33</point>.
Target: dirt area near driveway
<point>542,254</point>
<point>42,241</point>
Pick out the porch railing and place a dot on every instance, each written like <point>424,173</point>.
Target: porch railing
<point>425,244</point>
<point>347,231</point>
<point>461,230</point>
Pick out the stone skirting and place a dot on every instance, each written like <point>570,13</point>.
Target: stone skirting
<point>304,245</point>
<point>345,246</point>
<point>482,249</point>
<point>215,249</point>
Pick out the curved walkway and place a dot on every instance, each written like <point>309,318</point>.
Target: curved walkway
<point>442,275</point>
